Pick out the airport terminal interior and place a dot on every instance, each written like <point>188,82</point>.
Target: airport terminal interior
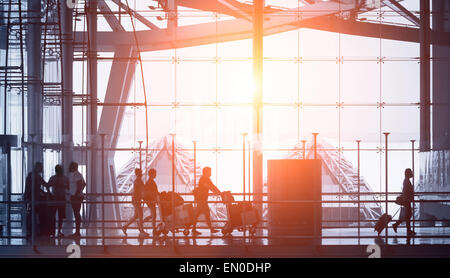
<point>221,128</point>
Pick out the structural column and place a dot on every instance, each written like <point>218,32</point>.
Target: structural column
<point>440,80</point>
<point>258,33</point>
<point>92,173</point>
<point>425,133</point>
<point>67,76</point>
<point>172,21</point>
<point>34,90</point>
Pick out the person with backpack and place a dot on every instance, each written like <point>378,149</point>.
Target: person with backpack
<point>138,188</point>
<point>201,194</point>
<point>76,187</point>
<point>59,184</point>
<point>406,198</point>
<point>151,196</point>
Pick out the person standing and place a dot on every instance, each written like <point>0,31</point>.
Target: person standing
<point>76,187</point>
<point>150,196</point>
<point>201,194</point>
<point>59,184</point>
<point>408,198</point>
<point>39,198</point>
<point>138,188</point>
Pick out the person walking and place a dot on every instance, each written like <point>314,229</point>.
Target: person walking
<point>59,184</point>
<point>407,197</point>
<point>201,194</point>
<point>150,196</point>
<point>138,188</point>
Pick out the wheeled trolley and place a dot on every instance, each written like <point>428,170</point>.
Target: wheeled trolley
<point>241,215</point>
<point>182,218</point>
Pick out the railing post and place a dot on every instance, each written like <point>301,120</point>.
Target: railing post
<point>140,154</point>
<point>304,149</point>
<point>103,188</point>
<point>315,144</point>
<point>243,164</point>
<point>195,163</point>
<point>243,181</point>
<point>414,173</point>
<point>386,134</point>
<point>33,198</point>
<point>249,174</point>
<point>173,187</point>
<point>359,194</point>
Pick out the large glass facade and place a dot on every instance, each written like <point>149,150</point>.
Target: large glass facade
<point>343,87</point>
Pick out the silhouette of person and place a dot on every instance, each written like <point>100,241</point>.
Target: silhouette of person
<point>59,184</point>
<point>150,195</point>
<point>39,197</point>
<point>408,197</point>
<point>201,198</point>
<point>138,188</point>
<point>76,187</point>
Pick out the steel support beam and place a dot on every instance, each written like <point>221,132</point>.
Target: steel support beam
<point>67,76</point>
<point>139,17</point>
<point>425,123</point>
<point>34,72</point>
<point>119,83</point>
<point>239,29</point>
<point>207,33</point>
<point>398,8</point>
<point>93,184</point>
<point>233,8</point>
<point>172,18</point>
<point>109,16</point>
<point>117,91</point>
<point>258,36</point>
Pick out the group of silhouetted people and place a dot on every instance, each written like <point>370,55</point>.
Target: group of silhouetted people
<point>50,199</point>
<point>147,193</point>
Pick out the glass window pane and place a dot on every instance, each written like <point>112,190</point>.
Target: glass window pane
<point>235,82</point>
<point>232,122</point>
<point>280,82</point>
<point>273,49</point>
<point>360,82</point>
<point>360,123</point>
<point>159,81</point>
<point>197,123</point>
<point>280,127</point>
<point>196,82</point>
<point>324,120</point>
<point>313,88</point>
<point>401,82</point>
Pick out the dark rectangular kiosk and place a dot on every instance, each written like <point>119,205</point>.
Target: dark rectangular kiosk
<point>290,181</point>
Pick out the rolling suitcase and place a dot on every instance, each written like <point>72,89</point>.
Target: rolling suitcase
<point>383,222</point>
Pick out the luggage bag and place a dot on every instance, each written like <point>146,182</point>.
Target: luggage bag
<point>383,221</point>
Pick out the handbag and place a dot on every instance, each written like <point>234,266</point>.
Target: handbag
<point>400,200</point>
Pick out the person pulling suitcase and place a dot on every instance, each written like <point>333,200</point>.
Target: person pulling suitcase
<point>405,200</point>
